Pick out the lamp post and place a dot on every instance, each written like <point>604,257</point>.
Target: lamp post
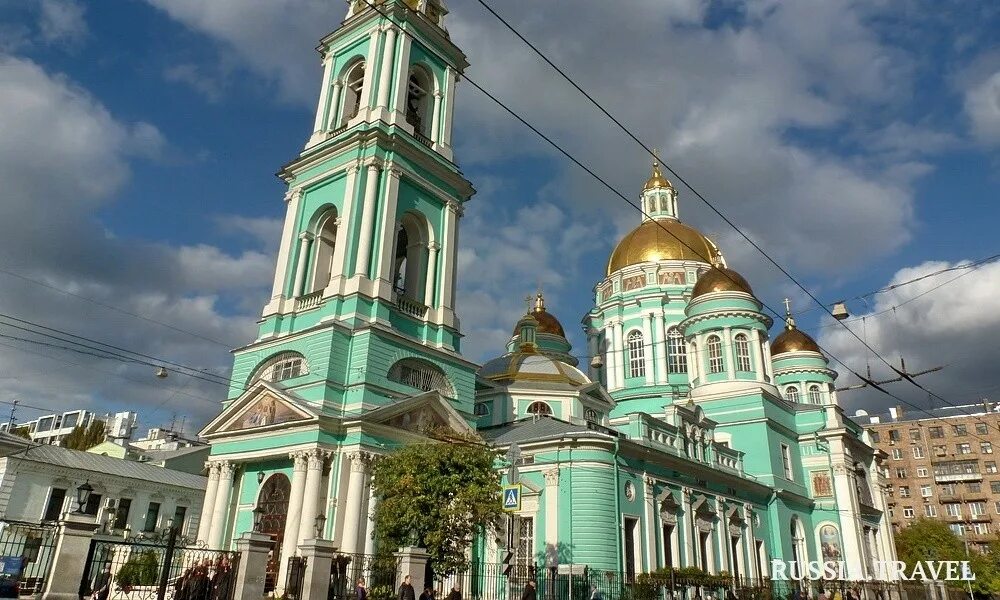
<point>173,529</point>
<point>83,496</point>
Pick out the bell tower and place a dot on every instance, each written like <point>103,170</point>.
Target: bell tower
<point>364,287</point>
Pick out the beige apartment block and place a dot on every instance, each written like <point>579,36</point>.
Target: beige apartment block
<point>942,467</point>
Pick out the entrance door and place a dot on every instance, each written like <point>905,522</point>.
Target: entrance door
<point>273,501</point>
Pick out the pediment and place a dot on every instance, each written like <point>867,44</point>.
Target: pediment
<point>419,414</point>
<point>263,406</point>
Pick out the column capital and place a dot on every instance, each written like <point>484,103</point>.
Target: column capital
<point>395,171</point>
<point>226,468</point>
<point>373,164</point>
<point>213,470</point>
<point>293,194</point>
<point>300,459</point>
<point>650,482</point>
<point>455,207</point>
<point>360,461</point>
<point>433,246</point>
<point>438,94</point>
<point>551,477</point>
<point>388,27</point>
<point>316,458</point>
<point>305,236</point>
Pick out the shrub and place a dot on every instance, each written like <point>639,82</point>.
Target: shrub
<point>139,570</point>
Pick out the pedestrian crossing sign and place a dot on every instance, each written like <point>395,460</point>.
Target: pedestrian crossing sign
<point>512,497</point>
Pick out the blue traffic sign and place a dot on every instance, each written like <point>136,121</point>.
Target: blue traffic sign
<point>512,497</point>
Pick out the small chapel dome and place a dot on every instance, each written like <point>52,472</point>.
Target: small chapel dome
<point>656,180</point>
<point>547,322</point>
<point>720,279</point>
<point>793,340</point>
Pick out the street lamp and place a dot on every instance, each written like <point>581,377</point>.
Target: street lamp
<point>258,518</point>
<point>83,495</point>
<point>320,525</point>
<point>260,477</point>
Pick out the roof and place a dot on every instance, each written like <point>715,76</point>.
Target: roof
<point>87,461</point>
<point>534,428</point>
<point>158,455</point>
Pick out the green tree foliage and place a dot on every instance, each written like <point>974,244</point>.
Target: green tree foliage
<point>21,432</point>
<point>84,438</point>
<point>927,539</point>
<point>139,570</point>
<point>438,495</point>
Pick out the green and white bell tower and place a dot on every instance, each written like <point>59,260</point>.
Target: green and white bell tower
<point>365,275</point>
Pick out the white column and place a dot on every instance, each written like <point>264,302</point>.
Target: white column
<point>551,497</point>
<point>369,544</point>
<point>305,241</point>
<point>354,502</point>
<point>759,361</point>
<point>450,252</point>
<point>620,351</point>
<point>387,232</point>
<point>402,81</point>
<point>208,504</point>
<point>663,353</point>
<point>436,117</point>
<point>447,112</point>
<point>847,501</point>
<point>385,72</point>
<point>768,365</point>
<point>292,198</point>
<point>331,123</point>
<point>367,217</point>
<point>315,460</point>
<point>729,352</point>
<point>432,268</point>
<point>324,95</point>
<point>220,511</point>
<point>345,220</point>
<point>692,361</point>
<point>610,370</point>
<point>648,503</point>
<point>592,350</point>
<point>649,358</point>
<point>367,84</point>
<point>290,539</point>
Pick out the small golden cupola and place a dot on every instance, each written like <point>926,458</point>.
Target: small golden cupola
<point>720,279</point>
<point>792,339</point>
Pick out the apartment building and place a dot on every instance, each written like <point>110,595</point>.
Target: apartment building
<point>942,467</point>
<point>51,429</point>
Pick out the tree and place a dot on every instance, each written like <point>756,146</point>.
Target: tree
<point>85,438</point>
<point>439,495</point>
<point>21,432</point>
<point>926,539</point>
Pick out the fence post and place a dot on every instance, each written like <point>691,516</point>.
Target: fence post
<point>252,548</point>
<point>318,555</point>
<point>413,562</point>
<point>70,558</point>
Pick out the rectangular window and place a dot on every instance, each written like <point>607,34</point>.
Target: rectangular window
<point>982,428</point>
<point>925,491</point>
<point>179,513</point>
<point>900,473</point>
<point>996,505</point>
<point>957,529</point>
<point>980,528</point>
<point>908,512</point>
<point>948,489</point>
<point>636,355</point>
<point>991,466</point>
<point>786,461</point>
<point>986,447</point>
<point>631,527</point>
<point>940,451</point>
<point>959,429</point>
<point>876,438</point>
<point>524,556</point>
<point>894,435</point>
<point>678,351</point>
<point>964,448</point>
<point>53,510</point>
<point>974,487</point>
<point>668,546</point>
<point>918,452</point>
<point>897,454</point>
<point>953,509</point>
<point>930,510</point>
<point>122,513</point>
<point>935,432</point>
<point>921,471</point>
<point>995,487</point>
<point>742,353</point>
<point>977,508</point>
<point>715,363</point>
<point>915,435</point>
<point>904,491</point>
<point>152,516</point>
<point>93,505</point>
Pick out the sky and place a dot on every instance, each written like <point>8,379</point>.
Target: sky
<point>855,142</point>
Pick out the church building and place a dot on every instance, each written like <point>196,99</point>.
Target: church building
<point>687,437</point>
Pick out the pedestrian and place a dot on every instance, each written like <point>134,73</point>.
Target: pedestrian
<point>428,593</point>
<point>797,594</point>
<point>455,594</point>
<point>102,584</point>
<point>529,592</point>
<point>361,592</point>
<point>595,594</point>
<point>406,590</point>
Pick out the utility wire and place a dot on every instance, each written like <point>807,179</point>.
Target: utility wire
<point>873,384</point>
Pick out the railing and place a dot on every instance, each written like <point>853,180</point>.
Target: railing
<point>956,477</point>
<point>726,461</point>
<point>33,546</point>
<point>379,573</point>
<point>309,300</point>
<point>409,306</point>
<point>423,139</point>
<point>661,437</point>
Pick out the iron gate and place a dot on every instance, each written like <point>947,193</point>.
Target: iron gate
<point>377,571</point>
<point>150,569</point>
<point>30,546</point>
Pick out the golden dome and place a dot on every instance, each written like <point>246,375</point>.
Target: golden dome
<point>720,279</point>
<point>547,323</point>
<point>657,180</point>
<point>793,340</point>
<point>663,239</point>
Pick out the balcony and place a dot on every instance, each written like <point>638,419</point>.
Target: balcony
<point>958,477</point>
<point>410,307</point>
<point>309,300</point>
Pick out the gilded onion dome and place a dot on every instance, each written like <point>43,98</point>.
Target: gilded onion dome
<point>656,180</point>
<point>662,239</point>
<point>547,322</point>
<point>720,279</point>
<point>793,340</point>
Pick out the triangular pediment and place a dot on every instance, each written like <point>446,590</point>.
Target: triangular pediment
<point>419,414</point>
<point>265,405</point>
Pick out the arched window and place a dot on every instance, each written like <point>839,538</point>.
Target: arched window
<point>715,362</point>
<point>418,101</point>
<point>792,393</point>
<point>353,83</point>
<point>410,257</point>
<point>326,240</point>
<point>420,374</point>
<point>280,367</point>
<point>742,352</point>
<point>677,361</point>
<point>592,415</point>
<point>815,396</point>
<point>539,408</point>
<point>481,409</point>
<point>636,355</point>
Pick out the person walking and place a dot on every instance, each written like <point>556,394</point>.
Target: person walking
<point>455,594</point>
<point>361,592</point>
<point>406,590</point>
<point>102,584</point>
<point>595,594</point>
<point>529,592</point>
<point>428,593</point>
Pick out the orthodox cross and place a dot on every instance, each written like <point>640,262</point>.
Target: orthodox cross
<point>528,300</point>
<point>788,306</point>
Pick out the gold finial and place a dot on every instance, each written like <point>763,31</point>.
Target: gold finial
<point>789,320</point>
<point>539,302</point>
<point>657,180</point>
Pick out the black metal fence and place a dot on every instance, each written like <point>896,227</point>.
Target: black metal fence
<point>142,570</point>
<point>378,573</point>
<point>26,551</point>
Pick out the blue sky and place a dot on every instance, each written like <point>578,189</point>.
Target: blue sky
<point>856,142</point>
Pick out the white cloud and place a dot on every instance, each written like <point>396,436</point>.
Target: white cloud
<point>62,21</point>
<point>209,86</point>
<point>939,321</point>
<point>982,104</point>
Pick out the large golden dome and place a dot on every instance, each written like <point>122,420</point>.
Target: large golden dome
<point>720,279</point>
<point>662,239</point>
